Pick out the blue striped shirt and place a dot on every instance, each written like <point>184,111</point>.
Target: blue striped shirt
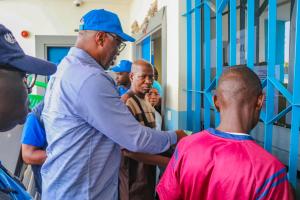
<point>86,123</point>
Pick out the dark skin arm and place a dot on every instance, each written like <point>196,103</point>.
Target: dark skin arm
<point>149,159</point>
<point>33,155</point>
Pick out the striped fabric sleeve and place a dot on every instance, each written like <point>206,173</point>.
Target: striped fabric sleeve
<point>274,187</point>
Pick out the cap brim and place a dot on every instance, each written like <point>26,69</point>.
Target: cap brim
<point>126,37</point>
<point>115,69</point>
<point>118,69</point>
<point>34,65</point>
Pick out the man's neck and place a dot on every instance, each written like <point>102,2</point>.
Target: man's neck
<point>234,124</point>
<point>140,95</point>
<point>92,54</point>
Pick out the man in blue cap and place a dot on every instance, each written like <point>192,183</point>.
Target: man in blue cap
<point>14,65</point>
<point>85,120</point>
<point>122,71</point>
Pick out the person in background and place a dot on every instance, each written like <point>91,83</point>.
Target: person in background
<point>157,85</point>
<point>14,64</point>
<point>153,98</point>
<point>138,171</point>
<point>34,144</point>
<point>226,162</point>
<point>122,71</point>
<point>85,120</point>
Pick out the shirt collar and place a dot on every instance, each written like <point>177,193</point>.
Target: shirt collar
<point>83,55</point>
<point>229,135</point>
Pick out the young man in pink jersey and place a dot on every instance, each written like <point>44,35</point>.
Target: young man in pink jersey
<point>226,163</point>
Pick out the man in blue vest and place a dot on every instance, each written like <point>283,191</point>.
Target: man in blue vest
<point>14,65</point>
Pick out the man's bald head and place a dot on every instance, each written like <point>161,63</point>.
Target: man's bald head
<point>238,84</point>
<point>141,77</point>
<point>13,99</point>
<point>239,99</point>
<point>138,64</point>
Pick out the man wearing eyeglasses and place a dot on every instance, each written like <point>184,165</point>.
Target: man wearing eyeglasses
<point>14,87</point>
<point>85,120</point>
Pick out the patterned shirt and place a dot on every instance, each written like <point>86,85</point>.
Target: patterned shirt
<point>137,180</point>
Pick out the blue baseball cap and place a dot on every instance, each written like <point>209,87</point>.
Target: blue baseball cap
<point>123,66</point>
<point>11,54</point>
<point>106,21</point>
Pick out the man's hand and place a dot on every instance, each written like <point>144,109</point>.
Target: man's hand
<point>180,134</point>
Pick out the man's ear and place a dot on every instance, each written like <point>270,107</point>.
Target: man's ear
<point>131,75</point>
<point>260,101</point>
<point>100,38</point>
<point>216,102</point>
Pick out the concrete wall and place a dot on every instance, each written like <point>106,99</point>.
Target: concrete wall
<point>47,17</point>
<point>175,53</point>
<point>54,17</point>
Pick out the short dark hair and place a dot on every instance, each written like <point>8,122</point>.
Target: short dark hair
<point>246,76</point>
<point>244,85</point>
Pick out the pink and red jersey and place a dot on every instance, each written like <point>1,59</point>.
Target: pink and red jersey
<point>214,165</point>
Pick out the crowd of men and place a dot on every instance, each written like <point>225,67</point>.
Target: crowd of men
<point>93,139</point>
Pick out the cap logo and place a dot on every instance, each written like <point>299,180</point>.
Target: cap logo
<point>10,38</point>
<point>81,21</point>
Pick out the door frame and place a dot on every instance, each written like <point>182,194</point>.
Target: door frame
<point>156,23</point>
<point>42,42</point>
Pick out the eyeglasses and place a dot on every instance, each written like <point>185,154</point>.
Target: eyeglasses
<point>30,80</point>
<point>122,44</point>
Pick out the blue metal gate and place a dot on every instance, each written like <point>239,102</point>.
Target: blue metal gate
<point>270,83</point>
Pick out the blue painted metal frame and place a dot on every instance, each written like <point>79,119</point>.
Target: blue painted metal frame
<point>271,83</point>
<point>146,49</point>
<point>281,89</point>
<point>189,66</point>
<point>221,4</point>
<point>296,106</point>
<point>219,47</point>
<point>250,43</point>
<point>271,74</point>
<point>198,68</point>
<point>232,47</point>
<point>207,96</point>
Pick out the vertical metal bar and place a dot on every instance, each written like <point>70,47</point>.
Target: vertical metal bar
<point>242,31</point>
<point>189,65</point>
<point>232,60</point>
<point>256,23</point>
<point>219,50</point>
<point>250,50</point>
<point>207,66</point>
<point>296,106</point>
<point>271,74</point>
<point>197,67</point>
